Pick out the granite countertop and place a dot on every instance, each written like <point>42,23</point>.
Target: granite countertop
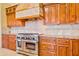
<point>61,36</point>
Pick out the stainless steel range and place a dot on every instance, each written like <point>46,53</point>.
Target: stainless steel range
<point>27,43</point>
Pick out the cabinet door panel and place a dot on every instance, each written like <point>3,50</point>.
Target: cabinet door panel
<point>51,14</point>
<point>72,13</point>
<point>62,13</point>
<point>5,40</point>
<point>10,19</point>
<point>12,45</point>
<point>54,14</point>
<point>67,13</point>
<point>77,12</point>
<point>12,42</point>
<point>64,47</point>
<point>47,15</point>
<point>75,47</point>
<point>47,46</point>
<point>63,51</point>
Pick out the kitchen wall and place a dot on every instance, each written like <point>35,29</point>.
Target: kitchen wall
<point>5,29</point>
<point>0,25</point>
<point>3,22</point>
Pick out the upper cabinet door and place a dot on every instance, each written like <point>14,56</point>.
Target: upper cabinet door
<point>62,13</point>
<point>77,12</point>
<point>5,39</point>
<point>47,20</point>
<point>72,13</point>
<point>64,47</point>
<point>51,14</point>
<point>67,13</point>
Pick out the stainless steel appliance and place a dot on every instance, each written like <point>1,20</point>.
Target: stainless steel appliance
<point>27,43</point>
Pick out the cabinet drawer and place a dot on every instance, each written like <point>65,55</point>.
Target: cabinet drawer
<point>52,54</point>
<point>51,41</point>
<point>52,48</point>
<point>12,37</point>
<point>63,42</point>
<point>48,46</point>
<point>12,40</point>
<point>47,53</point>
<point>48,40</point>
<point>43,46</point>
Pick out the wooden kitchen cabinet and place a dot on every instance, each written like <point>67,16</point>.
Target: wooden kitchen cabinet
<point>77,13</point>
<point>47,46</point>
<point>9,41</point>
<point>63,47</point>
<point>11,21</point>
<point>51,14</point>
<point>67,13</point>
<point>75,47</point>
<point>72,13</point>
<point>12,42</point>
<point>63,13</point>
<point>5,41</point>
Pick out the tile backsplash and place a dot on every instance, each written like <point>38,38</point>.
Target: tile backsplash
<point>30,26</point>
<point>38,27</point>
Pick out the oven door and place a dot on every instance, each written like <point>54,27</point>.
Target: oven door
<point>19,45</point>
<point>30,46</point>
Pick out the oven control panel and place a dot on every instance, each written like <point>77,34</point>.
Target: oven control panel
<point>33,37</point>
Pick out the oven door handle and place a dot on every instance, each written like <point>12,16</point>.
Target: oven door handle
<point>30,41</point>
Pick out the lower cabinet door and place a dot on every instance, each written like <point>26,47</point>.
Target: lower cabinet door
<point>5,41</point>
<point>75,47</point>
<point>64,47</point>
<point>12,45</point>
<point>12,42</point>
<point>63,51</point>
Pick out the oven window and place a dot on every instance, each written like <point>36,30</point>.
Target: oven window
<point>19,43</point>
<point>30,46</point>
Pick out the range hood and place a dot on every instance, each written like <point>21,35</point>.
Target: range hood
<point>27,11</point>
